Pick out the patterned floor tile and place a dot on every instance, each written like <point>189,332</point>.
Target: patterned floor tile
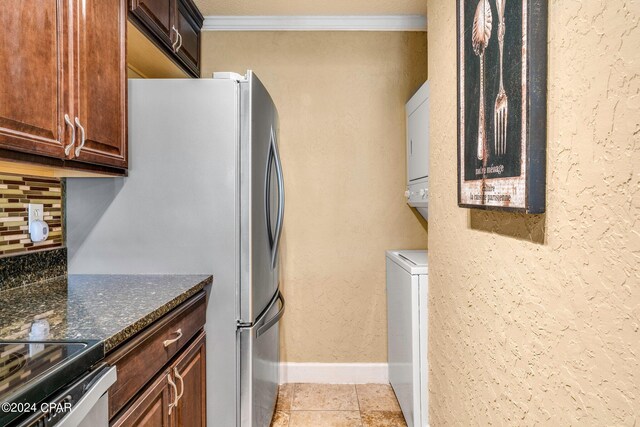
<point>285,398</point>
<point>337,405</point>
<point>382,419</point>
<point>325,397</point>
<point>377,397</point>
<point>325,419</point>
<point>280,419</point>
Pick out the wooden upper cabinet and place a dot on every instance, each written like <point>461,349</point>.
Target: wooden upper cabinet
<point>188,26</point>
<point>34,93</point>
<point>63,91</point>
<point>101,92</point>
<point>157,16</point>
<point>174,26</point>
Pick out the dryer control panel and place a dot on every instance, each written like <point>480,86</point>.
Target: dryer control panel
<point>417,196</point>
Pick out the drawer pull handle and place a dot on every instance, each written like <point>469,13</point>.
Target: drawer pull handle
<point>175,391</point>
<point>167,343</point>
<point>177,375</point>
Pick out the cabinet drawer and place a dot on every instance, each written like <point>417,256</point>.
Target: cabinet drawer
<point>147,354</point>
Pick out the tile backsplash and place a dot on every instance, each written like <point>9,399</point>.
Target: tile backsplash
<point>16,192</point>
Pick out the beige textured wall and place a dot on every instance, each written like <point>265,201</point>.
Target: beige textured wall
<point>536,321</point>
<point>341,100</point>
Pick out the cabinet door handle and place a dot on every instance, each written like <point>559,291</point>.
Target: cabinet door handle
<point>177,375</point>
<point>173,29</point>
<point>167,343</point>
<point>82,137</point>
<point>175,391</point>
<point>68,121</point>
<point>180,44</point>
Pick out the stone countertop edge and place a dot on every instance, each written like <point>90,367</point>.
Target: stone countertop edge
<point>114,341</point>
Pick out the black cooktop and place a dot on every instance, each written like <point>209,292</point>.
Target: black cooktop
<point>31,371</point>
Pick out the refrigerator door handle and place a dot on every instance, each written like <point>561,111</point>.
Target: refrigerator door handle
<point>267,196</point>
<point>280,221</point>
<point>275,319</point>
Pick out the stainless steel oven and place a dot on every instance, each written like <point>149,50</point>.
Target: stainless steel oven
<point>85,403</point>
<point>54,383</point>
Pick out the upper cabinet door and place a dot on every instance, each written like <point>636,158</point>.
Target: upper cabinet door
<point>158,17</point>
<point>101,95</point>
<point>188,25</point>
<point>35,84</point>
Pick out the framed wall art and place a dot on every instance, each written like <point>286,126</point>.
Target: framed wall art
<point>502,104</point>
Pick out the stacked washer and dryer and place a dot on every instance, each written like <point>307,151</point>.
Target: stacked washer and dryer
<point>407,280</point>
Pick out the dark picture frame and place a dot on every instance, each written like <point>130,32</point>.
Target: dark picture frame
<point>502,104</point>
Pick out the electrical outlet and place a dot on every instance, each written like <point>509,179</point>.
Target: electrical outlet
<point>38,229</point>
<point>36,212</point>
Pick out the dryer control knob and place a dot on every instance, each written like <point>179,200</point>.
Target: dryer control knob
<point>407,194</point>
<point>423,193</point>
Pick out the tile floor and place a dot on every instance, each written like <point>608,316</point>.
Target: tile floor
<point>337,405</point>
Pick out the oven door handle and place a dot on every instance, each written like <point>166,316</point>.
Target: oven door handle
<point>90,398</point>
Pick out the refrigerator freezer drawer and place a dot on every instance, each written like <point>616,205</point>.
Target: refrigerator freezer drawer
<point>259,355</point>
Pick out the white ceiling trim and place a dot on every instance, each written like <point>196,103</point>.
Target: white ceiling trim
<point>316,23</point>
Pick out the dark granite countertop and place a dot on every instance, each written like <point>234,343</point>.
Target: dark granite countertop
<point>108,308</point>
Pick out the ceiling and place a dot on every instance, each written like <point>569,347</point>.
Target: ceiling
<point>312,7</point>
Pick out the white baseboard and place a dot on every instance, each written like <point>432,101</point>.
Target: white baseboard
<point>334,373</point>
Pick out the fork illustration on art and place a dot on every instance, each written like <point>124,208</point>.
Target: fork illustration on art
<point>501,112</point>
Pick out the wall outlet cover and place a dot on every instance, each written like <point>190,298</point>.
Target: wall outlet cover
<point>36,212</point>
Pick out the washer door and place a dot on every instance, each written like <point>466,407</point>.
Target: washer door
<point>402,347</point>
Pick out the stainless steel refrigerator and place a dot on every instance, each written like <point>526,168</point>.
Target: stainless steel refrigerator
<point>205,194</point>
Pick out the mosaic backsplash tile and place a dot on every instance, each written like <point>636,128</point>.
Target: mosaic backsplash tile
<point>16,192</point>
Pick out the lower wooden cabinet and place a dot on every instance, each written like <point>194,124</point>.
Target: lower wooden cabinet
<point>190,372</point>
<point>162,372</point>
<point>177,397</point>
<point>151,409</point>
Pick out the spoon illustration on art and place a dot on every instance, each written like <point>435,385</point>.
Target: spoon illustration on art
<point>481,34</point>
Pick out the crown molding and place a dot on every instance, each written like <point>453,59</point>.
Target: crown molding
<point>316,23</point>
